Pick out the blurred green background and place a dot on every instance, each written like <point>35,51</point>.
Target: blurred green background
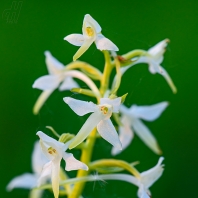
<point>42,25</point>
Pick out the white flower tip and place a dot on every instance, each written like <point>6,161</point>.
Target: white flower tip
<point>47,53</point>
<point>161,159</point>
<point>66,99</point>
<point>39,133</point>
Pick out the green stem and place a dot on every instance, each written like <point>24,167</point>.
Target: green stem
<point>85,158</point>
<point>129,56</point>
<point>85,67</point>
<point>118,77</point>
<point>106,74</point>
<point>113,163</point>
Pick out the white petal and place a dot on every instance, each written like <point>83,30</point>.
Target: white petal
<point>72,163</point>
<point>107,131</point>
<point>75,39</point>
<point>158,48</point>
<point>154,67</point>
<point>142,192</point>
<point>152,175</point>
<point>26,180</point>
<point>53,65</point>
<point>38,158</point>
<point>68,84</point>
<point>86,129</point>
<point>146,136</point>
<point>41,100</point>
<point>125,135</point>
<point>55,177</point>
<point>46,139</point>
<point>168,79</point>
<point>93,22</point>
<point>113,102</point>
<point>45,174</point>
<point>83,48</point>
<point>80,107</point>
<point>148,113</point>
<point>103,43</point>
<point>47,82</point>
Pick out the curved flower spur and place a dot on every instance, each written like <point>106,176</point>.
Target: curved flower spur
<point>100,117</point>
<point>91,33</point>
<point>55,151</point>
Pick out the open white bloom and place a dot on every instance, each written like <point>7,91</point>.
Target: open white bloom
<point>29,180</point>
<point>148,178</point>
<point>100,117</point>
<point>49,83</point>
<point>144,182</point>
<point>130,119</point>
<point>154,58</point>
<point>55,151</point>
<point>91,33</point>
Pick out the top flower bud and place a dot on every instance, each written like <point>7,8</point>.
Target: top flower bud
<point>91,33</point>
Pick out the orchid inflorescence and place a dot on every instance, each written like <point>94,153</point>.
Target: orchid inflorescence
<point>48,153</point>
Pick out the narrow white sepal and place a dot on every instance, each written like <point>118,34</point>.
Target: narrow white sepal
<point>107,130</point>
<point>47,82</point>
<point>150,112</point>
<point>53,65</point>
<point>80,107</point>
<point>125,135</point>
<point>103,43</point>
<point>45,174</point>
<point>72,163</point>
<point>146,136</point>
<point>75,39</point>
<point>26,180</point>
<point>38,158</point>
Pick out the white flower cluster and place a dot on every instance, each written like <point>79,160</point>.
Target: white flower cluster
<point>47,156</point>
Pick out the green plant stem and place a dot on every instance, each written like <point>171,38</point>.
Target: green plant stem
<point>106,74</point>
<point>113,163</point>
<point>85,158</point>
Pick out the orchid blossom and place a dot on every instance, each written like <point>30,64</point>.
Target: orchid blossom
<point>49,83</point>
<point>154,57</point>
<point>99,118</point>
<point>29,180</point>
<point>91,33</point>
<point>130,118</point>
<point>55,151</point>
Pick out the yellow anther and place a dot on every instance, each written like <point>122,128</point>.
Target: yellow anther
<point>104,109</point>
<point>51,150</point>
<point>89,31</point>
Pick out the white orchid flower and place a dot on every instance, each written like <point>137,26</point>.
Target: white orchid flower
<point>130,119</point>
<point>154,57</point>
<point>148,178</point>
<point>49,83</point>
<point>55,151</point>
<point>29,180</point>
<point>145,180</point>
<point>99,118</point>
<point>91,33</point>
